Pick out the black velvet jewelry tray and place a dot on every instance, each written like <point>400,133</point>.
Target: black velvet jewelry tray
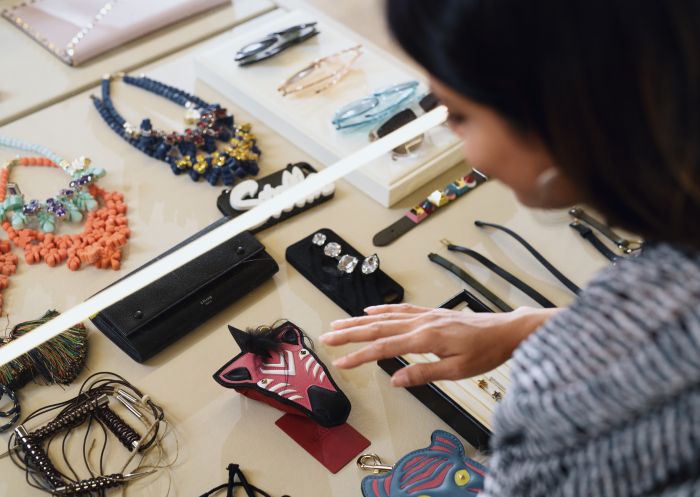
<point>274,180</point>
<point>439,401</point>
<point>352,292</point>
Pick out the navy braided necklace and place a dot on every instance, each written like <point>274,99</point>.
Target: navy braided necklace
<point>194,151</point>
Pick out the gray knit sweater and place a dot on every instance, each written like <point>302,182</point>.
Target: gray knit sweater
<point>605,398</point>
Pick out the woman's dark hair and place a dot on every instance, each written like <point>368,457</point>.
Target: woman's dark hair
<point>612,87</point>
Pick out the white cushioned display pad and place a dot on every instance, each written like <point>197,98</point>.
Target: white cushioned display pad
<point>467,393</point>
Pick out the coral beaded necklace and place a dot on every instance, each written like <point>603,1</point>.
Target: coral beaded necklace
<point>106,227</point>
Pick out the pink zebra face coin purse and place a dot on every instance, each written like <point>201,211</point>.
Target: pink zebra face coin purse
<point>440,470</point>
<point>276,367</point>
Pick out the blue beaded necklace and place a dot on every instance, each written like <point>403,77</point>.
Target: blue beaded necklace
<point>194,151</point>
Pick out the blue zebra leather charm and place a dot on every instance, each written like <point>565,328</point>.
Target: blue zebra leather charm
<point>440,470</point>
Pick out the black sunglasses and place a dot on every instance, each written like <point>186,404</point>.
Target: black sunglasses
<point>428,102</point>
<point>274,43</point>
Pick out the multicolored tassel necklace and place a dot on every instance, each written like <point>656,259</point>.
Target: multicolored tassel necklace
<point>59,360</point>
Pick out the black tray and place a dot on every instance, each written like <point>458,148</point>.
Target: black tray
<point>438,400</point>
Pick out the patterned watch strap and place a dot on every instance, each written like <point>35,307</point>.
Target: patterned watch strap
<point>432,203</point>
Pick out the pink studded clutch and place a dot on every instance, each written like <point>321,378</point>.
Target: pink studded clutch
<point>79,30</point>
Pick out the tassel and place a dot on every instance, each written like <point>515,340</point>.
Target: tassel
<point>60,360</point>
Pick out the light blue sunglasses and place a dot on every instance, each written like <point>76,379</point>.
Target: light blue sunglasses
<point>377,106</point>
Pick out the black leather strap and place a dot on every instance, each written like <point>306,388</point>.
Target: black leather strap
<point>540,258</point>
<point>396,230</point>
<point>510,278</point>
<point>471,281</point>
<point>627,246</point>
<point>587,234</point>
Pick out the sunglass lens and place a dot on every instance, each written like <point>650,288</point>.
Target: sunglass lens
<point>395,122</point>
<point>429,102</point>
<point>255,48</point>
<point>356,113</point>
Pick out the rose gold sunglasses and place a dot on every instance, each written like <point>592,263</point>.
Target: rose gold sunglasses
<point>322,73</point>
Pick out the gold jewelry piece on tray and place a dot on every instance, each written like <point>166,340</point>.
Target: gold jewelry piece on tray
<point>496,392</point>
<point>322,73</point>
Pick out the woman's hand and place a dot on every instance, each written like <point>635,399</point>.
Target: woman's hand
<point>468,344</point>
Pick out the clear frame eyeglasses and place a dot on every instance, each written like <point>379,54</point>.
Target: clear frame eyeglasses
<point>274,43</point>
<point>322,73</point>
<point>374,107</point>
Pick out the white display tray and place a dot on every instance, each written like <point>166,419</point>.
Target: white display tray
<point>306,120</point>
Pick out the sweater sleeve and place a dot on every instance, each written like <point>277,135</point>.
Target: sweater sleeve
<point>605,399</point>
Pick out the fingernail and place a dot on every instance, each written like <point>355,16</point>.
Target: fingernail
<point>339,363</point>
<point>399,380</point>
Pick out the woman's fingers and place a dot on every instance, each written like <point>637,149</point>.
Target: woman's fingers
<point>381,321</point>
<point>373,330</point>
<point>410,308</point>
<point>384,348</point>
<point>342,324</point>
<point>426,372</point>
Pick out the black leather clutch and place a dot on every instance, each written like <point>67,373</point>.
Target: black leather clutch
<point>147,321</point>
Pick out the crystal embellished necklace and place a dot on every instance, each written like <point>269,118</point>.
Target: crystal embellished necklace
<point>70,204</point>
<point>105,230</point>
<point>194,151</point>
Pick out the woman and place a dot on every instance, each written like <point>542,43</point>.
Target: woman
<point>594,101</point>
